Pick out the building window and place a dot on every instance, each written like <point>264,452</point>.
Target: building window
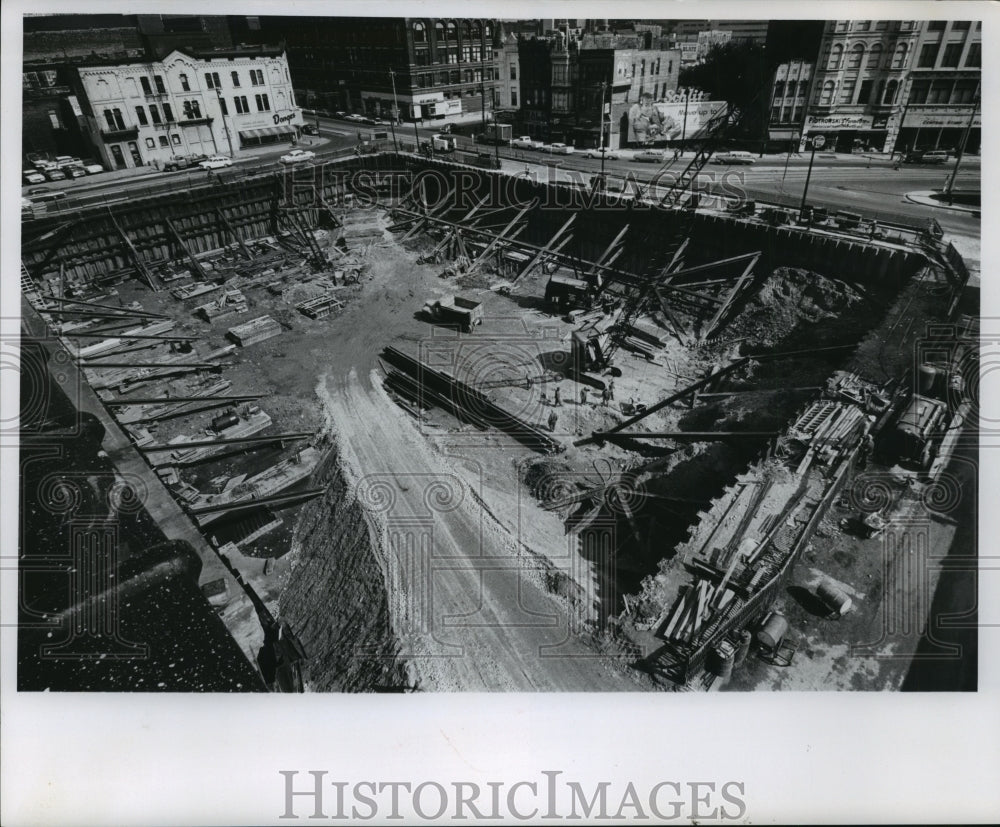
<point>857,57</point>
<point>779,89</point>
<point>160,88</point>
<point>263,104</point>
<point>890,92</point>
<point>881,25</point>
<point>146,88</point>
<point>222,106</point>
<point>164,141</point>
<point>513,97</point>
<point>952,55</point>
<point>961,25</point>
<point>928,56</point>
<point>150,143</point>
<point>918,92</point>
<point>419,33</point>
<point>847,91</point>
<point>240,103</point>
<point>154,113</point>
<point>974,58</point>
<point>109,116</point>
<point>257,77</point>
<point>863,25</point>
<point>513,72</point>
<point>140,113</point>
<point>168,113</point>
<point>212,80</point>
<point>185,86</point>
<point>875,56</point>
<point>236,79</point>
<point>965,91</point>
<point>865,92</point>
<point>176,140</point>
<point>826,98</point>
<point>192,110</point>
<point>936,25</point>
<point>940,92</point>
<point>836,56</point>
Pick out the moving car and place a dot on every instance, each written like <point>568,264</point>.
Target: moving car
<point>607,154</point>
<point>561,149</point>
<point>310,129</point>
<point>297,156</point>
<point>654,155</point>
<point>735,157</point>
<point>523,142</point>
<point>216,162</point>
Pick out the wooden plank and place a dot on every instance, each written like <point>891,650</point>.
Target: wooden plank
<point>717,321</point>
<point>187,250</point>
<point>546,249</point>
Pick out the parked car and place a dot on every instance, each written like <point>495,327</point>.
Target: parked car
<point>310,129</point>
<point>654,155</point>
<point>216,162</point>
<point>63,161</point>
<point>32,177</point>
<point>55,175</point>
<point>522,142</point>
<point>607,154</point>
<point>92,168</point>
<point>340,114</point>
<point>541,146</point>
<point>735,157</point>
<point>926,157</point>
<point>46,194</point>
<point>76,172</point>
<point>297,156</point>
<point>561,149</point>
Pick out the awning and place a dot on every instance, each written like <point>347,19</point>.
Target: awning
<point>265,131</point>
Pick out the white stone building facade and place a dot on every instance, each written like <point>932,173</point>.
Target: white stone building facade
<point>142,113</point>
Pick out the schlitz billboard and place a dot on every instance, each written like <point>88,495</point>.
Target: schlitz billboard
<point>650,122</point>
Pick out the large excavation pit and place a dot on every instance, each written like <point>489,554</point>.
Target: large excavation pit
<point>463,529</point>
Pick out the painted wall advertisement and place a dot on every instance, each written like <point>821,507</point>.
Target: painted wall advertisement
<point>649,122</point>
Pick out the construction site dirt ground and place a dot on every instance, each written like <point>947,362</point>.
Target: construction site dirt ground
<point>325,375</point>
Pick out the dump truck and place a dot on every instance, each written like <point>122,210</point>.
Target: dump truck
<point>465,312</point>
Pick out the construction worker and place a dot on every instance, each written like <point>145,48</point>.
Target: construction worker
<point>583,396</point>
<point>605,396</point>
<point>553,419</point>
<point>556,398</point>
<point>545,400</point>
<point>611,390</point>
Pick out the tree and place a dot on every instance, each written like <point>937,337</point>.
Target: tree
<point>735,72</point>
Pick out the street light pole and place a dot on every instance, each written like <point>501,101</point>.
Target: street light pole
<point>961,149</point>
<point>395,110</point>
<point>604,85</point>
<point>684,128</point>
<point>817,143</point>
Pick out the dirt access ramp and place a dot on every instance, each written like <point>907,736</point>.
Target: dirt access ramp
<point>468,608</point>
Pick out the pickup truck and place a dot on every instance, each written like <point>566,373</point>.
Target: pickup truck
<point>467,313</point>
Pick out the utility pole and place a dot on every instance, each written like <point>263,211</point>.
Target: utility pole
<point>684,128</point>
<point>817,143</point>
<point>225,126</point>
<point>482,73</point>
<point>395,110</point>
<point>961,149</point>
<point>604,85</point>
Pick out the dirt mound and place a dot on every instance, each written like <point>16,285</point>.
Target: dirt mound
<point>790,299</point>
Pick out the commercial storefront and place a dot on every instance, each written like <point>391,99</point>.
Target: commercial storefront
<point>846,133</point>
<point>940,127</point>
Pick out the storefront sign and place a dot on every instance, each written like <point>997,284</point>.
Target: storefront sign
<point>947,117</point>
<point>835,122</point>
<point>278,119</point>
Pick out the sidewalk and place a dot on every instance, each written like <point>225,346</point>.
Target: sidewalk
<point>926,198</point>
